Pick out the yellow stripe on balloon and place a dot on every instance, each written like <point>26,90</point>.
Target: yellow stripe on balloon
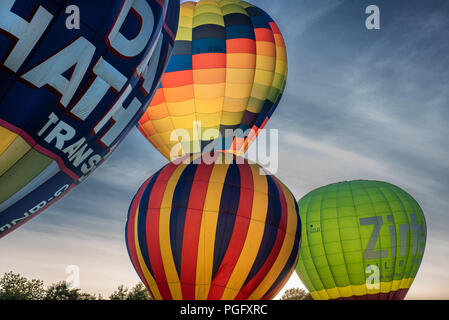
<point>286,249</point>
<point>209,105</point>
<point>164,235</point>
<point>22,172</point>
<point>333,293</point>
<point>209,92</point>
<point>209,120</point>
<point>206,18</point>
<point>207,7</point>
<point>229,118</point>
<point>253,239</point>
<point>13,152</point>
<point>182,108</point>
<point>163,125</point>
<point>228,7</point>
<point>6,138</point>
<point>206,243</point>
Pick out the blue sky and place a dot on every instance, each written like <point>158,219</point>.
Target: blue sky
<point>359,104</point>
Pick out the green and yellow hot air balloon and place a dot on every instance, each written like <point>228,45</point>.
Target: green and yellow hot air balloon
<point>361,240</point>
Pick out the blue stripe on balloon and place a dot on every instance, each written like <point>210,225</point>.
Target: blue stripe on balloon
<point>240,32</point>
<point>209,45</point>
<point>292,259</point>
<point>179,63</point>
<point>267,106</point>
<point>229,204</point>
<point>141,222</point>
<point>260,22</point>
<point>273,218</point>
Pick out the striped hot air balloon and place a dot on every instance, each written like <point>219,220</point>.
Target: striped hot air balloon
<point>213,231</point>
<point>361,240</point>
<point>228,71</point>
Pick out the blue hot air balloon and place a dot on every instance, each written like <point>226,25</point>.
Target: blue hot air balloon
<point>75,77</point>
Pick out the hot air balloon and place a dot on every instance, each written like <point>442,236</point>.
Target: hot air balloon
<point>213,231</point>
<point>222,84</point>
<point>361,240</point>
<point>75,78</point>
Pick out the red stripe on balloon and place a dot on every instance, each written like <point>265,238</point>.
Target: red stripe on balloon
<point>239,233</point>
<point>177,79</point>
<point>274,27</point>
<point>264,34</point>
<point>249,288</point>
<point>152,227</point>
<point>192,227</point>
<point>209,60</point>
<point>241,46</point>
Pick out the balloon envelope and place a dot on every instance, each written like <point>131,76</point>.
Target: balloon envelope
<point>361,240</point>
<point>75,78</point>
<point>213,231</point>
<point>228,71</point>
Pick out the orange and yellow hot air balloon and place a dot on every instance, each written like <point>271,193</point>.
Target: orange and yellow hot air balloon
<point>227,72</point>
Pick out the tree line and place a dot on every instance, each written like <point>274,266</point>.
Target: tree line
<point>16,287</point>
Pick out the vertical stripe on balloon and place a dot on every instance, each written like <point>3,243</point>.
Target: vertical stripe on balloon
<point>192,227</point>
<point>208,229</point>
<point>140,225</point>
<point>154,200</point>
<point>130,233</point>
<point>283,244</point>
<point>178,212</point>
<point>226,220</point>
<point>286,261</point>
<point>254,236</point>
<point>164,235</point>
<point>272,220</point>
<point>238,235</point>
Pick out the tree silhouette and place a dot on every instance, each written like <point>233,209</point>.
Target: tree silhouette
<point>296,294</point>
<point>138,292</point>
<point>61,291</point>
<point>15,287</point>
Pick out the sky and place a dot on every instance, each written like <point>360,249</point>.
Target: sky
<point>359,104</point>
